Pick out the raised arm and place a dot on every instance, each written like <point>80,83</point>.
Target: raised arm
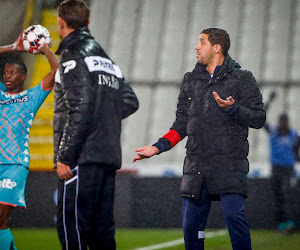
<point>16,46</point>
<point>48,80</point>
<point>7,48</point>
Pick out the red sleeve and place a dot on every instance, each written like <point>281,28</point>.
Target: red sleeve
<point>173,137</point>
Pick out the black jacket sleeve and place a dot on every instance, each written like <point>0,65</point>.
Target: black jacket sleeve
<point>182,116</point>
<point>130,101</point>
<point>250,109</point>
<point>79,100</point>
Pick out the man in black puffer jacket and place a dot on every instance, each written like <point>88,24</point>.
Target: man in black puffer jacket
<point>91,99</point>
<point>217,104</point>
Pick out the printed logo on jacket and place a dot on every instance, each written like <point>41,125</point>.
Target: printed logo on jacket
<point>98,63</point>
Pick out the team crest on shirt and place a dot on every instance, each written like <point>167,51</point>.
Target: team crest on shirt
<point>23,93</point>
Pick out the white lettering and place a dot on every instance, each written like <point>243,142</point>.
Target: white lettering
<point>57,77</point>
<point>109,80</point>
<point>98,63</point>
<point>7,183</point>
<point>4,183</point>
<point>69,65</point>
<point>201,235</point>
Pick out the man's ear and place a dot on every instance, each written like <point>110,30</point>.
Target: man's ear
<point>62,23</point>
<point>88,22</point>
<point>218,48</point>
<point>24,77</point>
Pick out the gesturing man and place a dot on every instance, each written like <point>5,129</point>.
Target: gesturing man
<point>217,104</point>
<point>91,98</point>
<point>18,108</point>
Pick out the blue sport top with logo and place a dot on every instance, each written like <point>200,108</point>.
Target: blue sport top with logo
<point>17,113</point>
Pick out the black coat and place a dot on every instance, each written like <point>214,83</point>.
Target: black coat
<point>91,99</point>
<point>217,146</point>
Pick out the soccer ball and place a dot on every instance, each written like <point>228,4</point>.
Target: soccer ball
<point>34,37</point>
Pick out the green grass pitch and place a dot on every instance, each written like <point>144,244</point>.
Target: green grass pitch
<point>46,239</point>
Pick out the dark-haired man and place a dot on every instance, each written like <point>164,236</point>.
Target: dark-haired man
<point>91,98</point>
<point>217,104</point>
<point>18,108</point>
<point>284,152</point>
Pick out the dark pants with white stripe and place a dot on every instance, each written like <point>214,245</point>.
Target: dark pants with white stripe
<point>85,209</point>
<point>195,214</point>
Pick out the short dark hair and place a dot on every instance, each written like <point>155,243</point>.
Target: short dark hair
<point>218,36</point>
<point>75,12</point>
<point>283,118</point>
<point>17,61</point>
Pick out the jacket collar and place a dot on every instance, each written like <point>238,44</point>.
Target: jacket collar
<point>73,36</point>
<point>227,66</point>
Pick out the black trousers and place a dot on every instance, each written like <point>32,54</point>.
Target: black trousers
<point>85,209</point>
<point>281,183</point>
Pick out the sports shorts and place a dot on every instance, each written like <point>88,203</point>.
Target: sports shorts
<point>12,185</point>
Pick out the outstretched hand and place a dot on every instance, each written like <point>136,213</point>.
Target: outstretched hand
<point>145,152</point>
<point>226,104</point>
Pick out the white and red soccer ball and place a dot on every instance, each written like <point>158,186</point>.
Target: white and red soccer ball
<point>34,37</point>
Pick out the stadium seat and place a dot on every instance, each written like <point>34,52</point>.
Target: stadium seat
<point>277,41</point>
<point>251,37</point>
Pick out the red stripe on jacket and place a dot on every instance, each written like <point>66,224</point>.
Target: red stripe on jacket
<point>173,137</point>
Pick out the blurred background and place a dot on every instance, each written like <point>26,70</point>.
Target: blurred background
<point>153,43</point>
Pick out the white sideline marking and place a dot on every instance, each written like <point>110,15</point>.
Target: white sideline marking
<point>181,241</point>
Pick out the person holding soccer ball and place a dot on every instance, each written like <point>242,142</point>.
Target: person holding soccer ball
<point>217,104</point>
<point>18,108</point>
<point>91,99</point>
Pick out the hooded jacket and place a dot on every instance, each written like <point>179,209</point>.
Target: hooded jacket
<point>91,99</point>
<point>217,145</point>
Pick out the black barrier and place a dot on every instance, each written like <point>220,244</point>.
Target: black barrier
<point>40,202</point>
<point>147,202</point>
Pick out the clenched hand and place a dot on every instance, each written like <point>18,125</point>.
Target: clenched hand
<point>64,171</point>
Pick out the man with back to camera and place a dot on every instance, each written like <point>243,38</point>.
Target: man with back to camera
<point>18,109</point>
<point>218,102</point>
<point>91,99</point>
